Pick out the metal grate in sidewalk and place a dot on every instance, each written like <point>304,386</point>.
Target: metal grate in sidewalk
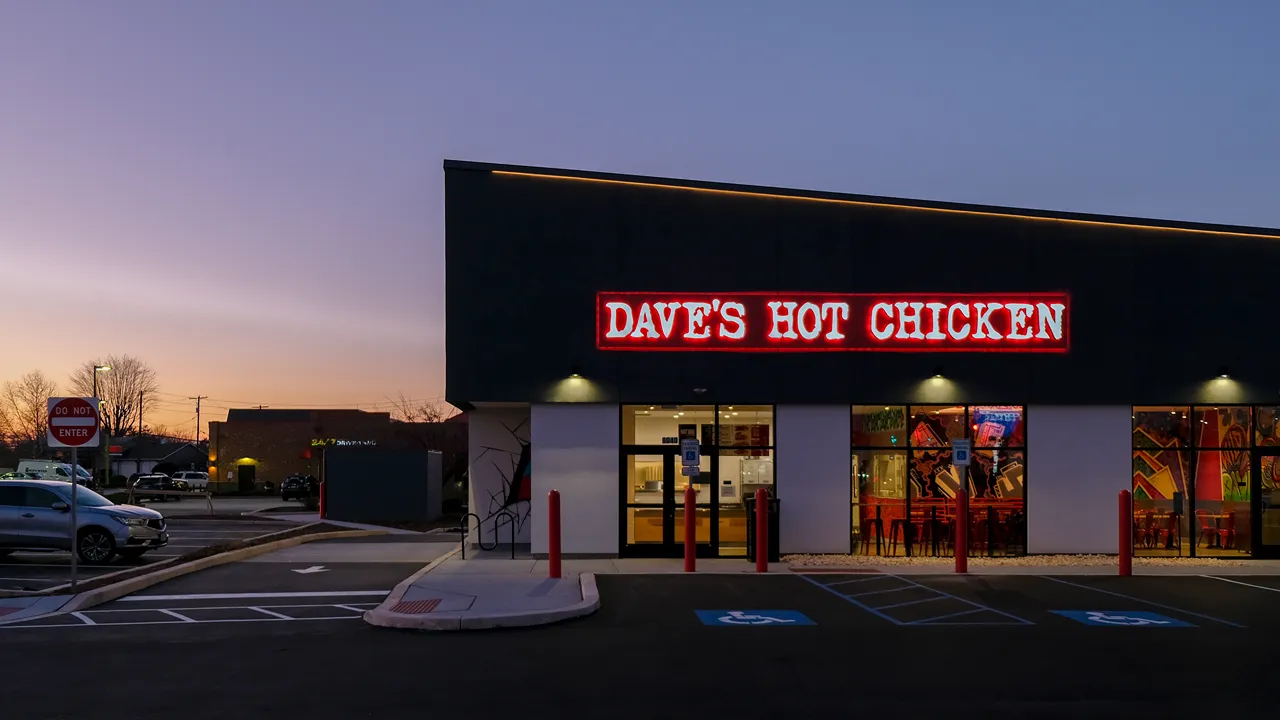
<point>416,607</point>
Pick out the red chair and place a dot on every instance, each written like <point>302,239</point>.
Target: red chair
<point>1224,535</point>
<point>1143,530</point>
<point>1169,536</point>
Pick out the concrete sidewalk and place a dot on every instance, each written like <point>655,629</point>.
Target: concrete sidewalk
<point>489,590</point>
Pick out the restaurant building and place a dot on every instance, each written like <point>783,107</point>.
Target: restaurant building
<point>832,348</point>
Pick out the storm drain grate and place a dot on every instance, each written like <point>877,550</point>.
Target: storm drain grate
<point>416,607</point>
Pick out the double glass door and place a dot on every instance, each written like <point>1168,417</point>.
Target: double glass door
<point>1266,502</point>
<point>653,486</point>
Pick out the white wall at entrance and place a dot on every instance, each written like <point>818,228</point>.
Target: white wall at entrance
<point>813,470</point>
<point>575,451</point>
<point>495,439</point>
<point>1078,461</point>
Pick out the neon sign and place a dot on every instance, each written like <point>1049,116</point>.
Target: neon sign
<point>814,322</point>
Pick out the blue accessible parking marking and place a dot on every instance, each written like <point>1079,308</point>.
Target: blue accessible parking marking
<point>753,617</point>
<point>1122,618</point>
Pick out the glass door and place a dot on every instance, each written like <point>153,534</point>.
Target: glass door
<point>653,489</point>
<point>1266,502</point>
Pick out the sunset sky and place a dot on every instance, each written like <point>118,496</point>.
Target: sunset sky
<point>247,194</point>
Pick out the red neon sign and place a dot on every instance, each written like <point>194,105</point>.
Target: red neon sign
<point>815,322</point>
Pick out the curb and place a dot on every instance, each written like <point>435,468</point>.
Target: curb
<point>445,622</point>
<point>107,593</point>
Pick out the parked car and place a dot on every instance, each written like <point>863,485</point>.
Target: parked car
<point>19,476</point>
<point>297,487</point>
<point>34,516</point>
<point>194,480</point>
<point>146,483</point>
<point>51,470</point>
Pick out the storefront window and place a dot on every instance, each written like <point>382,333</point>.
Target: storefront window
<point>904,500</point>
<point>1267,427</point>
<point>936,425</point>
<point>879,426</point>
<point>1191,480</point>
<point>736,460</point>
<point>1161,427</point>
<point>667,424</point>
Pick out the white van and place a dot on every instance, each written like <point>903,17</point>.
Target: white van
<point>194,480</point>
<point>50,470</point>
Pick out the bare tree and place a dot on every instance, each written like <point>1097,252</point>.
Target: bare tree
<point>119,389</point>
<point>405,410</point>
<point>24,409</point>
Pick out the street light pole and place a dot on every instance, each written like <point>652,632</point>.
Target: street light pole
<point>106,442</point>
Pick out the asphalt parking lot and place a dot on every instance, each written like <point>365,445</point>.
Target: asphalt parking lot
<point>332,580</point>
<point>40,571</point>
<point>880,602</point>
<point>956,647</point>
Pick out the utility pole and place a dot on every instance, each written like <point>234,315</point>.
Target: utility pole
<point>198,398</point>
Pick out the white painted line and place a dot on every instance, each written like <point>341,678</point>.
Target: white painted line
<point>858,580</point>
<point>180,616</point>
<point>179,622</point>
<point>34,579</point>
<point>246,596</point>
<point>272,613</point>
<point>351,606</point>
<point>1237,582</point>
<point>353,609</point>
<point>83,618</point>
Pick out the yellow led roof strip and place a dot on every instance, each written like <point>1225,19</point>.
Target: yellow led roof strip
<point>894,206</point>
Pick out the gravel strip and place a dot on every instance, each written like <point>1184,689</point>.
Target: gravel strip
<point>1026,560</point>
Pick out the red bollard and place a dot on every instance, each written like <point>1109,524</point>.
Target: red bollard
<point>553,532</point>
<point>762,530</point>
<point>962,531</point>
<point>1126,533</point>
<point>690,528</point>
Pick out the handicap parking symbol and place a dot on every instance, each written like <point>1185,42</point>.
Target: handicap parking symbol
<point>1122,618</point>
<point>742,618</point>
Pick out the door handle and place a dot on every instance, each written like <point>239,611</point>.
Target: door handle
<point>28,515</point>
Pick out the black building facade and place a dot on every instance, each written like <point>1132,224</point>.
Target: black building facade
<point>861,338</point>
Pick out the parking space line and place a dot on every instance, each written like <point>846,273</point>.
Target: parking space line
<point>353,609</point>
<point>1237,582</point>
<point>1140,600</point>
<point>83,618</point>
<point>880,592</point>
<point>971,603</point>
<point>851,601</point>
<point>910,602</point>
<point>857,580</point>
<point>180,616</point>
<point>250,596</point>
<point>930,621</point>
<point>272,613</point>
<point>179,622</point>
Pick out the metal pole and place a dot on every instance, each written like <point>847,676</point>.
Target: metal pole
<point>75,541</point>
<point>762,530</point>
<point>553,527</point>
<point>1126,533</point>
<point>690,536</point>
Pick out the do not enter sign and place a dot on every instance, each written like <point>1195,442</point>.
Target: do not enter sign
<point>73,422</point>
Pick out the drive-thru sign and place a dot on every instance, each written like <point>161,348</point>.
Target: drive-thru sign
<point>73,422</point>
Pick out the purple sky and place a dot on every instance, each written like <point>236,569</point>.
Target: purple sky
<point>247,194</point>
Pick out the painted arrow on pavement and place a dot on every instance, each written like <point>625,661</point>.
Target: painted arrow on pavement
<point>311,570</point>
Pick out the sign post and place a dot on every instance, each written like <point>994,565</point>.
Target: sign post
<point>690,459</point>
<point>961,451</point>
<point>73,423</point>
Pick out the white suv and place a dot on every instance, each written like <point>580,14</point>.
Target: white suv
<point>194,480</point>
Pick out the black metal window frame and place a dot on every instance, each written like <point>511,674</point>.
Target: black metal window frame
<point>1193,450</point>
<point>711,451</point>
<point>907,449</point>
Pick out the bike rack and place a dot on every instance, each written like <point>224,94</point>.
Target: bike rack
<point>511,518</point>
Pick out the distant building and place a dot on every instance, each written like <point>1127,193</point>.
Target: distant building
<point>147,453</point>
<point>255,447</point>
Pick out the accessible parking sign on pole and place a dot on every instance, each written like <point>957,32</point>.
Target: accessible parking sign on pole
<point>73,423</point>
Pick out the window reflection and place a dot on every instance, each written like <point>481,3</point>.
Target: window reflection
<point>936,425</point>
